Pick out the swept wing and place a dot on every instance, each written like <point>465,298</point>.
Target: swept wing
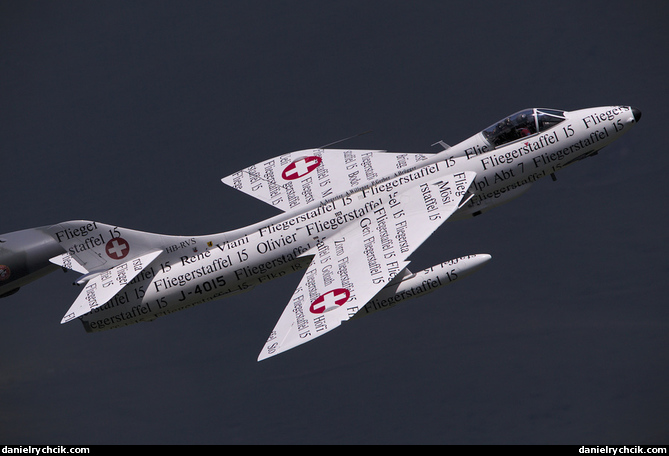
<point>350,268</point>
<point>300,178</point>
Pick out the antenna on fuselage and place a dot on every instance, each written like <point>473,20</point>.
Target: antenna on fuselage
<point>259,177</point>
<point>442,144</point>
<point>345,139</point>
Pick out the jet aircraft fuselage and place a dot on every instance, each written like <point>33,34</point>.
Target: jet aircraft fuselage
<point>350,218</point>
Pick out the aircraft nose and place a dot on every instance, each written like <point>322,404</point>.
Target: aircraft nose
<point>637,113</point>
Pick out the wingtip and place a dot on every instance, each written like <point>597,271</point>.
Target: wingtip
<point>263,355</point>
<point>68,318</point>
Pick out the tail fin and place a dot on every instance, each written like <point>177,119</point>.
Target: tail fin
<point>99,247</point>
<point>108,256</point>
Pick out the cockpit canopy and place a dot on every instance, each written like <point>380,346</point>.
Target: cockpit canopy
<point>521,124</point>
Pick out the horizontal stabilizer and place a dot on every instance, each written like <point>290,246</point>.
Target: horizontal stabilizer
<point>102,287</point>
<point>67,261</point>
<point>98,247</point>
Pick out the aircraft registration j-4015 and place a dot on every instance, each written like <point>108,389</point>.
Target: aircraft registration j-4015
<point>350,220</point>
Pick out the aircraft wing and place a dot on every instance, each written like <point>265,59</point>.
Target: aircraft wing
<point>297,179</point>
<point>349,268</point>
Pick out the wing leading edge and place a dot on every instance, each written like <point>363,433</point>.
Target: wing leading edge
<point>349,268</point>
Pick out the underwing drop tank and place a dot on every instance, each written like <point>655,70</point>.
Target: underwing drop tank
<point>413,285</point>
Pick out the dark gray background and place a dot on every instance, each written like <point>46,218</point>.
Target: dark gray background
<point>129,113</point>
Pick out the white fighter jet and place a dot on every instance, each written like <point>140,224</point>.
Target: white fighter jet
<point>349,218</point>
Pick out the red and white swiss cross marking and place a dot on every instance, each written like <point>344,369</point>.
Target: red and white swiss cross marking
<point>117,248</point>
<point>5,272</point>
<point>330,300</point>
<point>301,167</point>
